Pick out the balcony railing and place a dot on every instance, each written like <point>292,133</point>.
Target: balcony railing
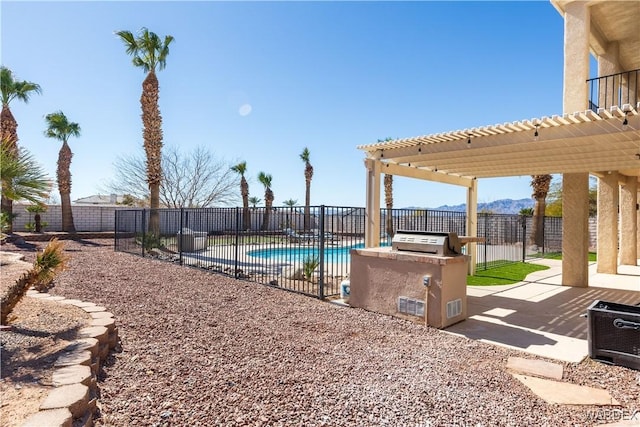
<point>615,89</point>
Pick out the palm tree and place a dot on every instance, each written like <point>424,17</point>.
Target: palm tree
<point>60,128</point>
<point>241,168</point>
<point>254,201</point>
<point>11,89</point>
<point>540,185</point>
<point>388,199</point>
<point>290,203</point>
<point>308,175</point>
<point>150,52</point>
<point>265,179</point>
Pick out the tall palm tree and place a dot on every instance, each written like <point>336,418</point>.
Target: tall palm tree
<point>11,89</point>
<point>265,179</point>
<point>308,175</point>
<point>241,168</point>
<point>150,52</point>
<point>290,203</point>
<point>388,200</point>
<point>540,185</point>
<point>60,128</point>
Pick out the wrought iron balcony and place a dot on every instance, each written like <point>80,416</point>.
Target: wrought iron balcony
<point>614,90</point>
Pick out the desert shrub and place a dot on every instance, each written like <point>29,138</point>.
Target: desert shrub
<point>309,265</point>
<point>48,264</point>
<point>149,240</point>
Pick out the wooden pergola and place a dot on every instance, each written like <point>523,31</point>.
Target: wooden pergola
<point>585,141</point>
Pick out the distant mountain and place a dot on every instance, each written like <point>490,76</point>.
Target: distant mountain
<point>504,206</point>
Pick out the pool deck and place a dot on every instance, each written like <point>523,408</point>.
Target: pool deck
<point>539,315</point>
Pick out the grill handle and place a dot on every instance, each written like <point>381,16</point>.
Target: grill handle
<point>625,324</point>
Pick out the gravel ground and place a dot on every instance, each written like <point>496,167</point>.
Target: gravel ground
<point>200,349</point>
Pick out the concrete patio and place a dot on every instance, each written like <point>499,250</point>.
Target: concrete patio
<point>539,315</point>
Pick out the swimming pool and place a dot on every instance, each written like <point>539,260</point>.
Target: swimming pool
<point>300,253</point>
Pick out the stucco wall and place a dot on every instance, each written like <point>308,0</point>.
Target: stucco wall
<point>379,276</point>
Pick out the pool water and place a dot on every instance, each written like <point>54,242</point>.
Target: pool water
<point>331,254</point>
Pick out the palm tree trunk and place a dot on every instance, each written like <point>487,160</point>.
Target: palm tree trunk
<point>152,135</point>
<point>246,215</point>
<point>268,201</point>
<point>537,232</point>
<point>64,186</point>
<point>307,208</point>
<point>9,133</point>
<point>388,197</point>
<point>540,185</point>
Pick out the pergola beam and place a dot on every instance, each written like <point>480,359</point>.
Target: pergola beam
<point>413,172</point>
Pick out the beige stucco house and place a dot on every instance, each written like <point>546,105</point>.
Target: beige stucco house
<point>598,134</point>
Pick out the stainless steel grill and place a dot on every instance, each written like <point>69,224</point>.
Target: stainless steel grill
<point>429,242</point>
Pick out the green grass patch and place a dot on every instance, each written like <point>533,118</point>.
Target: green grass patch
<point>558,255</point>
<point>504,275</point>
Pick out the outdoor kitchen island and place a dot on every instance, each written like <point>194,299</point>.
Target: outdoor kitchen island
<point>421,277</point>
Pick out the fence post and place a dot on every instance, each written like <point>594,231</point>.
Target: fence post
<point>524,238</point>
<point>544,235</point>
<point>486,240</point>
<point>144,229</point>
<point>180,235</point>
<point>321,255</point>
<point>237,243</point>
<point>115,230</point>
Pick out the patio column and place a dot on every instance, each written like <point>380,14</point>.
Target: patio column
<point>575,229</point>
<point>372,212</point>
<point>472,223</point>
<point>575,186</point>
<point>608,223</point>
<point>629,221</point>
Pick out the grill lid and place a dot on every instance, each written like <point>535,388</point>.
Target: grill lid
<point>431,242</point>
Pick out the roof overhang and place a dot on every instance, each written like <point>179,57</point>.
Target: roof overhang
<point>580,142</point>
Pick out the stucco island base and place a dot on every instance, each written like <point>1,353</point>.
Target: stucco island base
<point>380,276</point>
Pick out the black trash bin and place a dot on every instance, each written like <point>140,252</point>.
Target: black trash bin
<point>614,333</point>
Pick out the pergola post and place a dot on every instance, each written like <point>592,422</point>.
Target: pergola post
<point>472,223</point>
<point>372,211</point>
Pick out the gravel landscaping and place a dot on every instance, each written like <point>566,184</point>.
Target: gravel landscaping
<point>202,349</point>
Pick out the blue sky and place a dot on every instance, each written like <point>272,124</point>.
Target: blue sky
<point>324,75</point>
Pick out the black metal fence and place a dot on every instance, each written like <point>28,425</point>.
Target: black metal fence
<point>271,247</point>
<point>615,89</point>
<point>307,252</point>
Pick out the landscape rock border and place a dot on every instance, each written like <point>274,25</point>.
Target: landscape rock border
<point>73,400</point>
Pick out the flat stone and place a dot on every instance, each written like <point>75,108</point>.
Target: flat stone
<point>74,357</point>
<point>97,332</point>
<point>100,314</point>
<point>70,301</point>
<point>107,322</point>
<point>57,298</point>
<point>90,344</point>
<point>565,393</point>
<point>39,295</point>
<point>50,418</point>
<point>75,397</point>
<point>83,304</point>
<point>94,308</point>
<point>539,368</point>
<point>76,374</point>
